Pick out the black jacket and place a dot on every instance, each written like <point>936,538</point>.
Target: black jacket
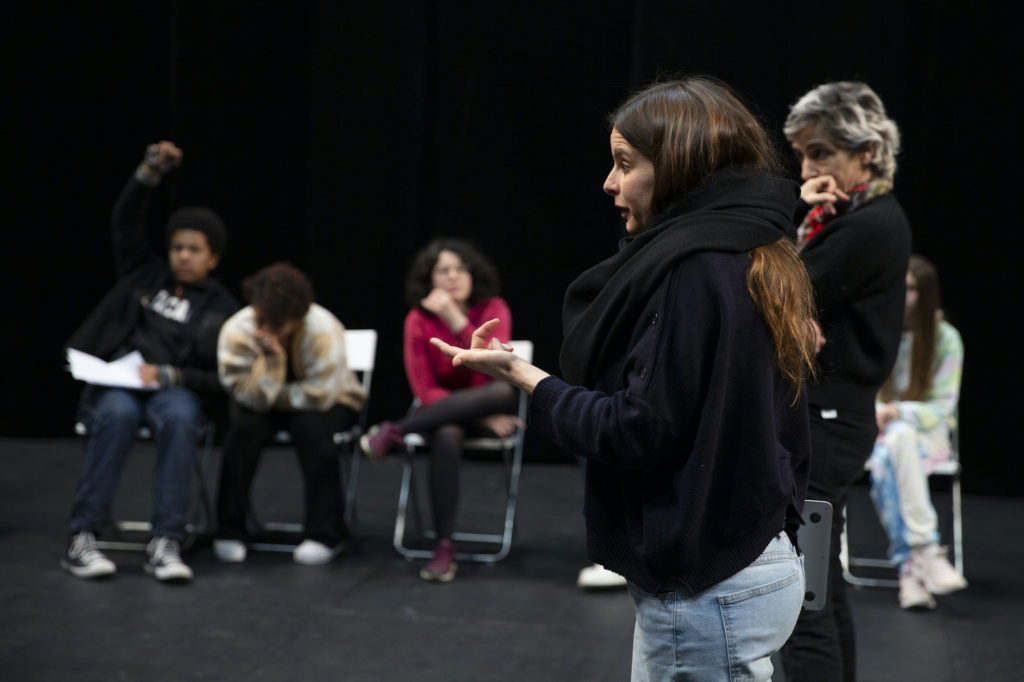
<point>696,454</point>
<point>140,275</point>
<point>858,265</point>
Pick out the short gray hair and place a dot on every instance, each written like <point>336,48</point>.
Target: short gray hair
<point>854,118</point>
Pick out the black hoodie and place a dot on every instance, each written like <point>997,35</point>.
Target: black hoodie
<point>107,331</point>
<point>697,455</point>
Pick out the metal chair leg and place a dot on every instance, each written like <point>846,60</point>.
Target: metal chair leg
<point>408,505</point>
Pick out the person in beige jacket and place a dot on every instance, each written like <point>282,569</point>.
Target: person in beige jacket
<point>282,361</point>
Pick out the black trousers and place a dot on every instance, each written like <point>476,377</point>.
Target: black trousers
<point>312,434</point>
<point>822,647</point>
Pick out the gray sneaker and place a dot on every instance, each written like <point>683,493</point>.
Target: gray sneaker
<point>83,559</point>
<point>164,562</point>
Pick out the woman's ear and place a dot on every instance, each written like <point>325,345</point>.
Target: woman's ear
<point>868,154</point>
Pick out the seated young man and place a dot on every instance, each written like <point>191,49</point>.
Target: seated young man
<point>170,310</point>
<point>282,360</point>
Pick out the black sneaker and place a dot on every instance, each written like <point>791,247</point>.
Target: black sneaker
<point>83,559</point>
<point>165,562</point>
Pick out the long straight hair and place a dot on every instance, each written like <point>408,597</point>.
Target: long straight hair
<point>784,296</point>
<point>922,322</point>
<point>690,128</point>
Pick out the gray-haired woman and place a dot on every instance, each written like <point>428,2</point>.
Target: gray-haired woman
<point>854,240</point>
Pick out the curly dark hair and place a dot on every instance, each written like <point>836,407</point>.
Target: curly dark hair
<point>418,282</point>
<point>203,220</point>
<point>281,292</point>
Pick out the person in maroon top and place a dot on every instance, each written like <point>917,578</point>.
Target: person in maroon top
<point>451,289</point>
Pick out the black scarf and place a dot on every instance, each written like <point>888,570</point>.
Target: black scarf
<point>735,210</point>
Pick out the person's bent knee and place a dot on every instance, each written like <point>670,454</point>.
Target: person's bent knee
<point>175,411</point>
<point>240,416</point>
<point>311,421</point>
<point>180,420</point>
<point>900,430</point>
<point>503,390</point>
<point>449,432</point>
<point>901,439</point>
<point>115,408</point>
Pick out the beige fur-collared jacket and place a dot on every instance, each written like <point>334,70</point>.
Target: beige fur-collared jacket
<point>258,379</point>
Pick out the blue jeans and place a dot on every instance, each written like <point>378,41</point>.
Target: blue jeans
<point>728,632</point>
<point>113,416</point>
<point>899,489</point>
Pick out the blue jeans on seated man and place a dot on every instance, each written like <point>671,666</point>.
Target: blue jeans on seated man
<point>727,632</point>
<point>113,417</point>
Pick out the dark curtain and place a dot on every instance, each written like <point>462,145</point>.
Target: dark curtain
<point>341,136</point>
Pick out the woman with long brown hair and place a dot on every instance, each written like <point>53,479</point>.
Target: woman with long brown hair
<point>916,410</point>
<point>683,362</point>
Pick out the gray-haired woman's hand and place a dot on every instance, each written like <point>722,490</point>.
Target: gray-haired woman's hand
<point>823,190</point>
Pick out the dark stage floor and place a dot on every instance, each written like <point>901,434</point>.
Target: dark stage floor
<point>368,616</point>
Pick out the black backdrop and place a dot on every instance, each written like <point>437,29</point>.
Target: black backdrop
<point>343,135</point>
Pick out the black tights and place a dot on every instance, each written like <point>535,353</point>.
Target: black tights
<point>447,421</point>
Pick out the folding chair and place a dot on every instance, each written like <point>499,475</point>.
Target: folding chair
<point>511,449</point>
<point>360,354</point>
<point>950,468</point>
<point>201,509</point>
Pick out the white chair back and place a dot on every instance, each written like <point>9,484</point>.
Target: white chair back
<point>361,349</point>
<point>523,349</point>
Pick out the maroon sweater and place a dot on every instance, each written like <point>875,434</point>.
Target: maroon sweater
<point>431,374</point>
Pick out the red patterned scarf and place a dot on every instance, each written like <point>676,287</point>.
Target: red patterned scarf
<point>816,218</point>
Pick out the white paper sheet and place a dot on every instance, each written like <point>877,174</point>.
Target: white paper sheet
<point>123,372</point>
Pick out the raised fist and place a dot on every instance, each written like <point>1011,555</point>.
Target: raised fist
<point>162,157</point>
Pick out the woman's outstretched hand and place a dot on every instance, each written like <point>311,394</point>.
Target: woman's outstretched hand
<point>489,356</point>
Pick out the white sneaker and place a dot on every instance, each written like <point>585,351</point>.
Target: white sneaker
<point>165,562</point>
<point>935,571</point>
<point>313,553</point>
<point>913,594</point>
<point>230,551</point>
<point>597,577</point>
<point>83,559</point>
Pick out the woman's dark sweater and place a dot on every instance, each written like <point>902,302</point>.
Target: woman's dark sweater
<point>858,265</point>
<point>693,462</point>
<point>697,454</point>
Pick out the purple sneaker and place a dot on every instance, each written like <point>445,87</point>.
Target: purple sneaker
<point>442,567</point>
<point>381,440</point>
